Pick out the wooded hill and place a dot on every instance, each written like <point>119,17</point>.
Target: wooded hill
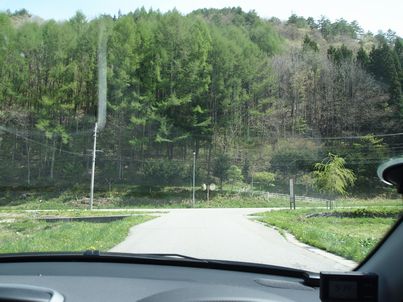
<point>249,95</point>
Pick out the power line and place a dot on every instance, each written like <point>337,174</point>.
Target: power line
<point>393,147</point>
<point>39,133</point>
<point>41,144</point>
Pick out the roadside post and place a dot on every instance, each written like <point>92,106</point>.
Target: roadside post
<point>211,187</point>
<point>194,179</point>
<point>292,194</point>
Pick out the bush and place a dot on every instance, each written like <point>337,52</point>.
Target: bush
<point>161,173</point>
<point>265,180</point>
<point>234,174</point>
<point>221,166</point>
<point>293,157</point>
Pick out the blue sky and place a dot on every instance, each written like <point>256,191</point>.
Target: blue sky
<point>371,15</point>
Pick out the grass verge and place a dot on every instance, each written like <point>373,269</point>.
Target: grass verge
<point>165,198</point>
<point>352,238</point>
<point>29,235</point>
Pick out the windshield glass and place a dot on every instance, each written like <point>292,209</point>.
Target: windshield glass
<point>234,132</point>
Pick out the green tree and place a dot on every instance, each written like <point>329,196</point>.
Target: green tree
<point>363,157</point>
<point>384,66</point>
<point>340,54</point>
<point>298,21</point>
<point>362,58</point>
<point>160,173</point>
<point>234,174</point>
<point>309,44</point>
<point>221,166</point>
<point>215,79</point>
<point>264,180</point>
<point>294,156</point>
<point>246,170</point>
<point>332,177</point>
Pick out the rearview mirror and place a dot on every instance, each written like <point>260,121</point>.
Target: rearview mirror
<point>391,173</point>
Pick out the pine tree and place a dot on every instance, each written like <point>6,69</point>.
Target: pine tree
<point>362,58</point>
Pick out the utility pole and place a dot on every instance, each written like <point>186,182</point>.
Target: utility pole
<point>94,152</point>
<point>194,178</point>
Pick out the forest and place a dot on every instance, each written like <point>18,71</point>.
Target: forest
<point>258,100</point>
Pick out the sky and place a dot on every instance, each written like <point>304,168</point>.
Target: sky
<point>371,15</point>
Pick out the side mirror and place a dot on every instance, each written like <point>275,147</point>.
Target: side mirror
<point>391,173</point>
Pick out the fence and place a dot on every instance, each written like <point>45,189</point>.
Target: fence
<point>327,202</point>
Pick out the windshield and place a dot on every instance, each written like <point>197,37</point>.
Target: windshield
<point>233,132</point>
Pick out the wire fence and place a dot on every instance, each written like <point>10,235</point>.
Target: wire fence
<point>268,195</point>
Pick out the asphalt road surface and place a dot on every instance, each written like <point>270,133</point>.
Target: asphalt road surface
<point>225,234</point>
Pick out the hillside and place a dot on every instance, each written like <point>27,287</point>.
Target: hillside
<point>258,95</point>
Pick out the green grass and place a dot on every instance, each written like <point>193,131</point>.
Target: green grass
<point>352,238</point>
<point>241,202</point>
<point>82,213</point>
<point>218,201</point>
<point>30,235</point>
<point>129,202</point>
<point>254,202</point>
<point>369,202</point>
<point>133,197</point>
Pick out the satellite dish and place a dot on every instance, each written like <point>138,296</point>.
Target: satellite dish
<point>212,187</point>
<point>204,186</point>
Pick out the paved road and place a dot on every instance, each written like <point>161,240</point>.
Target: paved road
<point>226,234</point>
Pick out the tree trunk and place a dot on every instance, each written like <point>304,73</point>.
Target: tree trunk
<point>28,164</point>
<point>52,162</point>
<point>120,164</point>
<point>120,168</point>
<point>208,173</point>
<point>14,149</point>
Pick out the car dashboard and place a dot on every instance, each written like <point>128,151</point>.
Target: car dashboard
<point>103,281</point>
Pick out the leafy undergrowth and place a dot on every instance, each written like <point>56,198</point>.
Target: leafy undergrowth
<point>352,238</point>
<point>242,202</point>
<point>361,213</point>
<point>29,235</point>
<point>127,201</point>
<point>164,198</point>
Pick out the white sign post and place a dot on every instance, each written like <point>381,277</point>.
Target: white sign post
<point>194,179</point>
<point>292,194</point>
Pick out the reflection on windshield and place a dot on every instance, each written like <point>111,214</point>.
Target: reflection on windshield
<point>220,134</point>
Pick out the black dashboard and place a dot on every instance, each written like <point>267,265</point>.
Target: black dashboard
<point>95,281</point>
